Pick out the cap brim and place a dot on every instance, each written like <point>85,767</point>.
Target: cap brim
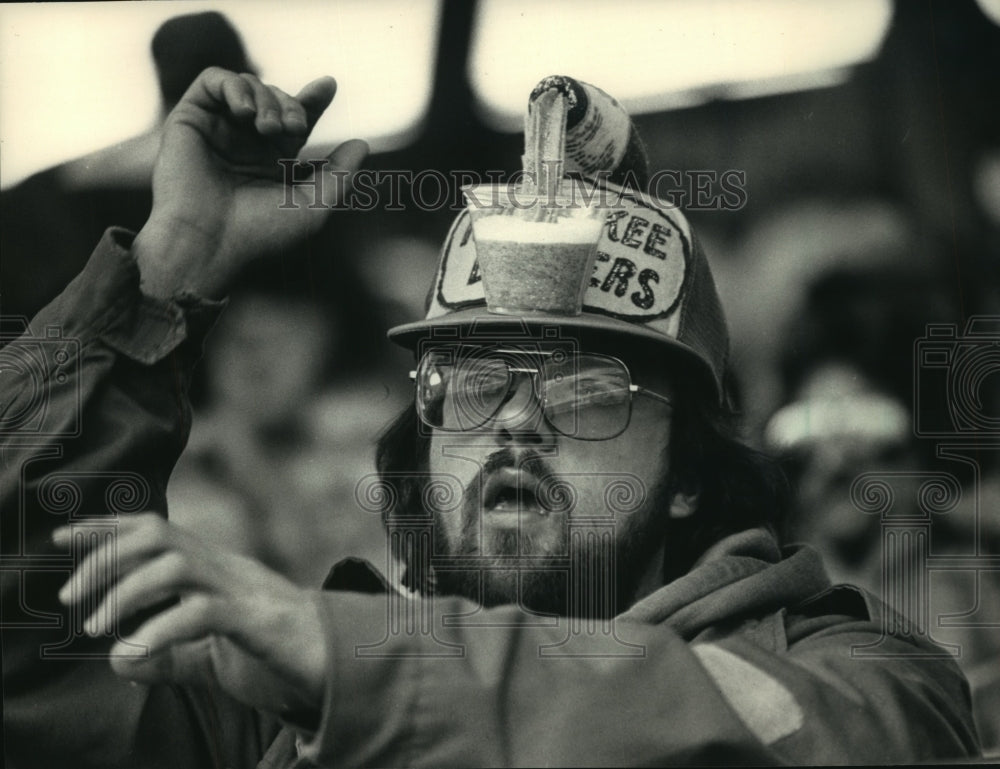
<point>477,325</point>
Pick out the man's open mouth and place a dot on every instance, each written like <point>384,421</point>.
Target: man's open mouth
<point>509,490</point>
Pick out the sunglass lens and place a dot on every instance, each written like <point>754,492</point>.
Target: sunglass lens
<point>459,393</point>
<point>587,396</point>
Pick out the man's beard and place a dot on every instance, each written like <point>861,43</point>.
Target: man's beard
<point>589,573</point>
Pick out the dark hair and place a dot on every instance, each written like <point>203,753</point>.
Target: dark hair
<point>738,487</point>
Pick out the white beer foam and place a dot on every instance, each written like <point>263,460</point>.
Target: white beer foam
<point>515,230</point>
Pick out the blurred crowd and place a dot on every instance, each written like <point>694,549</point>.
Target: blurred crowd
<point>864,336</point>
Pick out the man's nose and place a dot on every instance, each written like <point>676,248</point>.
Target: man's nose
<point>520,417</point>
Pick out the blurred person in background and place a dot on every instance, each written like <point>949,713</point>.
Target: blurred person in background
<point>777,260</point>
<point>847,371</point>
<point>849,376</point>
<point>52,219</point>
<point>288,397</point>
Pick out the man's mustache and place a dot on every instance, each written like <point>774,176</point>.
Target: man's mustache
<point>528,460</point>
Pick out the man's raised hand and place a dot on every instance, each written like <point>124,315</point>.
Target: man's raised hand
<point>218,187</point>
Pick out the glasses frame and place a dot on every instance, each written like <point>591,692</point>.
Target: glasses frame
<point>539,386</point>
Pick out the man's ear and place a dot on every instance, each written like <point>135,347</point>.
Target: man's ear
<point>683,505</point>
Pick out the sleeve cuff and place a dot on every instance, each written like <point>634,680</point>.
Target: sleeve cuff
<point>105,302</point>
<point>152,328</point>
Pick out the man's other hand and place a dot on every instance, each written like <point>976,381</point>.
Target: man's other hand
<point>218,617</point>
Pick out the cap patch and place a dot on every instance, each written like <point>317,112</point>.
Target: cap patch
<point>643,257</point>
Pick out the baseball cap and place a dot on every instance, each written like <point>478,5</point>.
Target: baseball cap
<point>651,290</point>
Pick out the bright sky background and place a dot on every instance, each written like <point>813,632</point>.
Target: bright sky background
<point>653,55</point>
<point>76,77</point>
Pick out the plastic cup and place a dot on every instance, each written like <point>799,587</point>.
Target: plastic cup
<point>536,253</point>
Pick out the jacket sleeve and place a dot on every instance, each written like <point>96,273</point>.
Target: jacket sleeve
<point>486,689</point>
<point>93,414</point>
